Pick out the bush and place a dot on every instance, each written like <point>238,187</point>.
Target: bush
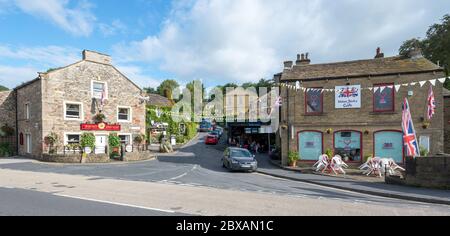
<point>5,150</point>
<point>138,139</point>
<point>329,153</point>
<point>113,140</point>
<point>293,157</point>
<point>87,140</point>
<point>6,131</point>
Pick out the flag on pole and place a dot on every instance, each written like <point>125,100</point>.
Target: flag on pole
<point>409,133</point>
<point>431,104</point>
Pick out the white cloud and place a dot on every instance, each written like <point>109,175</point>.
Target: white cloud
<point>116,27</point>
<point>136,74</point>
<point>48,56</point>
<point>11,76</point>
<point>77,20</point>
<point>245,40</point>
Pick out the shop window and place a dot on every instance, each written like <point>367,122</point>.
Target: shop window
<point>124,114</point>
<point>389,144</point>
<point>73,111</point>
<point>99,90</point>
<point>314,101</point>
<point>384,98</point>
<point>310,145</point>
<point>347,144</point>
<point>125,139</point>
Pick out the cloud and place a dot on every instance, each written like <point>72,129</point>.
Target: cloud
<point>246,40</point>
<point>11,76</point>
<point>114,28</point>
<point>76,20</point>
<point>137,75</point>
<point>49,55</point>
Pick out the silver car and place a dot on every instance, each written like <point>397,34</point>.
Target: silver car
<point>239,159</point>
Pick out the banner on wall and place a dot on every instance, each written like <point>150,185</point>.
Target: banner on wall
<point>348,97</point>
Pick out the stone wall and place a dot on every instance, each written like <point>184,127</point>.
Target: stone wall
<point>8,109</point>
<point>74,84</point>
<point>74,158</point>
<point>363,119</point>
<point>31,95</point>
<point>447,124</point>
<point>138,156</point>
<point>431,172</point>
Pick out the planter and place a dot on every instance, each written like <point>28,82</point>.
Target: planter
<point>292,164</point>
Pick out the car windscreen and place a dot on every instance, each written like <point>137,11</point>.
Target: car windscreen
<point>241,153</point>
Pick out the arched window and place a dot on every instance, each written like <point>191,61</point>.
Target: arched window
<point>389,144</point>
<point>348,144</point>
<point>310,145</point>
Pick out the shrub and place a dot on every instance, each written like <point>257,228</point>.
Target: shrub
<point>113,140</point>
<point>51,139</point>
<point>329,153</point>
<point>139,138</point>
<point>6,130</point>
<point>87,140</point>
<point>293,157</point>
<point>5,149</point>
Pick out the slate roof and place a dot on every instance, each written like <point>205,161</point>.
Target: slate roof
<point>158,100</point>
<point>361,68</point>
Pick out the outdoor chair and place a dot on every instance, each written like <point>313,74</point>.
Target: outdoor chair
<point>322,164</point>
<point>390,166</point>
<point>338,165</point>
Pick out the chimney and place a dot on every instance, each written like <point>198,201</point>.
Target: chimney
<point>302,60</point>
<point>288,64</point>
<point>96,57</point>
<point>379,53</point>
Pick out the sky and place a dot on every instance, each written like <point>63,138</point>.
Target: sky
<point>215,41</point>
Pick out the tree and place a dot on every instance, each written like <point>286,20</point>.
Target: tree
<point>166,88</point>
<point>3,88</point>
<point>150,90</point>
<point>436,45</point>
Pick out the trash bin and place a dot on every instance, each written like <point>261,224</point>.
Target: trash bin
<point>173,140</point>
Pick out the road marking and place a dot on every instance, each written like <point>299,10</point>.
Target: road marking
<point>116,203</point>
<point>181,176</point>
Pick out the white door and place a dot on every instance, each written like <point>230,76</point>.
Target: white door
<point>100,144</point>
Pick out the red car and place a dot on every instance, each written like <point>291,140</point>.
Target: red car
<point>211,139</point>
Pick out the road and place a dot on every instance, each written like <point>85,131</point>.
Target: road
<point>195,173</point>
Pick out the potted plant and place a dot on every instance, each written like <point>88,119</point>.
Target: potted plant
<point>329,131</point>
<point>426,124</point>
<point>293,157</point>
<point>114,142</point>
<point>329,153</point>
<point>423,151</point>
<point>87,140</point>
<point>99,118</point>
<point>138,139</point>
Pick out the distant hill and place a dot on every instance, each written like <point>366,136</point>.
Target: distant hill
<point>3,88</point>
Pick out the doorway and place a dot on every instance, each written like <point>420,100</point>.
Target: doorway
<point>100,144</point>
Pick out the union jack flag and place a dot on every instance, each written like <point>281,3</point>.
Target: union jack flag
<point>409,133</point>
<point>431,104</point>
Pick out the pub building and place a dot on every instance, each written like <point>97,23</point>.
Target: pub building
<point>354,109</point>
<point>69,101</point>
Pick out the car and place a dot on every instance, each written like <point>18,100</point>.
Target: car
<point>205,127</point>
<point>239,159</point>
<point>211,139</point>
<point>215,133</point>
<point>220,130</point>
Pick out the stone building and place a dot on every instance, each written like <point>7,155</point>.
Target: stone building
<point>315,120</point>
<point>447,120</point>
<point>8,119</point>
<point>66,101</point>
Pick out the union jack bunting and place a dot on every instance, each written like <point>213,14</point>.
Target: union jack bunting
<point>409,134</point>
<point>431,103</point>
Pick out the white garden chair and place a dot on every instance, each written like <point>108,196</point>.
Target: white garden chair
<point>338,165</point>
<point>390,166</point>
<point>322,164</point>
<point>374,167</point>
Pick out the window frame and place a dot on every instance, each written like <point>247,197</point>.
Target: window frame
<point>27,111</point>
<point>321,102</point>
<point>130,114</point>
<point>298,142</point>
<point>393,97</point>
<point>130,136</point>
<point>29,143</point>
<point>100,82</point>
<point>66,137</point>
<point>361,143</point>
<point>80,118</point>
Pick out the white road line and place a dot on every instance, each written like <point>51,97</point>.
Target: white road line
<point>116,203</point>
<point>181,176</point>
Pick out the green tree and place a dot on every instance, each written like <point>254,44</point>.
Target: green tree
<point>167,87</point>
<point>436,45</point>
<point>151,90</point>
<point>3,88</point>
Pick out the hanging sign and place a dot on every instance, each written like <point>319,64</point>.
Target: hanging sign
<point>348,97</point>
<point>100,127</point>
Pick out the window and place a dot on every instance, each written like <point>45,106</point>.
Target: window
<point>347,144</point>
<point>28,142</point>
<point>389,144</point>
<point>125,139</point>
<point>310,145</point>
<point>27,111</point>
<point>99,90</point>
<point>72,139</point>
<point>73,111</point>
<point>124,114</point>
<point>424,143</point>
<point>384,98</point>
<point>314,101</point>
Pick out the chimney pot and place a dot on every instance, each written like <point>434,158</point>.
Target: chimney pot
<point>379,53</point>
<point>303,59</point>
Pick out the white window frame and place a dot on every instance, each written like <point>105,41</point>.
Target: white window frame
<point>100,82</point>
<point>428,138</point>
<point>29,143</point>
<point>81,118</point>
<point>66,139</point>
<point>127,134</point>
<point>27,111</point>
<point>130,114</point>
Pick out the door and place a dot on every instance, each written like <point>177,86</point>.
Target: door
<point>100,144</point>
<point>389,144</point>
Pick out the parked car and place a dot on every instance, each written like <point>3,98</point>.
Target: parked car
<point>212,139</point>
<point>220,130</point>
<point>239,159</point>
<point>205,127</point>
<point>215,133</point>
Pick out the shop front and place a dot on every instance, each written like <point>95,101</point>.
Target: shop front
<point>389,144</point>
<point>348,144</point>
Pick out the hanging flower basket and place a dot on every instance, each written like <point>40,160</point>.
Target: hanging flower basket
<point>99,118</point>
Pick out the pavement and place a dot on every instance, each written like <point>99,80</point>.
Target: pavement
<point>372,187</point>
